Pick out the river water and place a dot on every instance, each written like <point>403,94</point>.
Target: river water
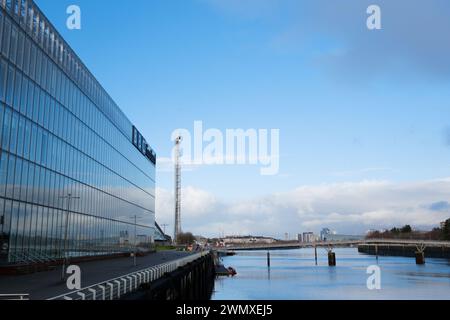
<point>293,275</point>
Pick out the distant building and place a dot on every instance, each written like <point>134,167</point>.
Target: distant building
<point>247,240</point>
<point>308,237</point>
<point>442,224</point>
<point>324,233</point>
<point>342,237</point>
<point>300,237</point>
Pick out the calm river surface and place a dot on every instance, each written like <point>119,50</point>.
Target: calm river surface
<point>294,276</point>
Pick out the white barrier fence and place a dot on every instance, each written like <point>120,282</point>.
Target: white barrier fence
<point>115,288</point>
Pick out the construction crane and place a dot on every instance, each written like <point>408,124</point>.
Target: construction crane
<point>177,227</point>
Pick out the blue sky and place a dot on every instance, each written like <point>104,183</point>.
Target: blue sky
<point>356,109</point>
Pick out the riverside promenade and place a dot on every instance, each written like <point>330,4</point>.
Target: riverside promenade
<point>48,284</point>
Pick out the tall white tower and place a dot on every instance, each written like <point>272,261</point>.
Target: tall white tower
<point>177,228</point>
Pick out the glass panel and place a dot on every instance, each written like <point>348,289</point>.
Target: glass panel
<point>44,148</point>
<point>20,136</point>
<point>38,228</point>
<point>3,172</point>
<point>26,140</point>
<point>23,100</point>
<point>6,230</point>
<point>26,56</point>
<point>2,80</point>
<point>30,99</point>
<point>6,37</point>
<point>20,50</point>
<point>51,234</point>
<point>13,229</point>
<point>16,8</point>
<point>14,127</point>
<point>2,111</point>
<point>33,61</point>
<point>27,237</point>
<point>33,143</point>
<point>17,91</point>
<point>32,226</point>
<point>10,86</point>
<point>24,183</point>
<point>2,219</point>
<point>13,48</point>
<point>1,25</point>
<point>6,129</point>
<point>30,187</point>
<point>44,231</point>
<point>21,215</point>
<point>17,179</point>
<point>7,220</point>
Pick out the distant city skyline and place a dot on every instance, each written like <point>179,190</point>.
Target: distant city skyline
<point>363,115</point>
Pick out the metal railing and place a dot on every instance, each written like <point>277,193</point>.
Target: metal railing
<point>31,257</point>
<point>19,296</point>
<point>115,288</point>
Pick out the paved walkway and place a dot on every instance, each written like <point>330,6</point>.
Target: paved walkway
<point>44,285</point>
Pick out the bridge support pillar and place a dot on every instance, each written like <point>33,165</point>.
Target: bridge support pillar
<point>420,254</point>
<point>420,257</point>
<point>315,254</point>
<point>331,259</point>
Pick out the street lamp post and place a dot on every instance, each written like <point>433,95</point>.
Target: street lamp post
<point>135,238</point>
<point>69,198</point>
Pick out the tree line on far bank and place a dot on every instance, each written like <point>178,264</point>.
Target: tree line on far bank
<point>186,238</point>
<point>406,232</point>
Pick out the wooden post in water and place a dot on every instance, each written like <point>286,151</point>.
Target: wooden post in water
<point>315,253</point>
<point>420,255</point>
<point>331,259</point>
<point>376,250</point>
<point>268,259</point>
<point>420,258</point>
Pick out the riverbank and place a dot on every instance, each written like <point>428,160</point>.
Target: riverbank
<point>402,250</point>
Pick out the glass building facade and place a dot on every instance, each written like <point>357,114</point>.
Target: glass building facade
<point>75,174</point>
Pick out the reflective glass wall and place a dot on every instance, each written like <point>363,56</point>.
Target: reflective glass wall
<point>70,176</point>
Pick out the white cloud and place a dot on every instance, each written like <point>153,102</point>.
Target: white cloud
<point>196,202</point>
<point>352,207</point>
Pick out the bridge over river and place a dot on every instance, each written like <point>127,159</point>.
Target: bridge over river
<point>420,249</point>
<point>328,244</point>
